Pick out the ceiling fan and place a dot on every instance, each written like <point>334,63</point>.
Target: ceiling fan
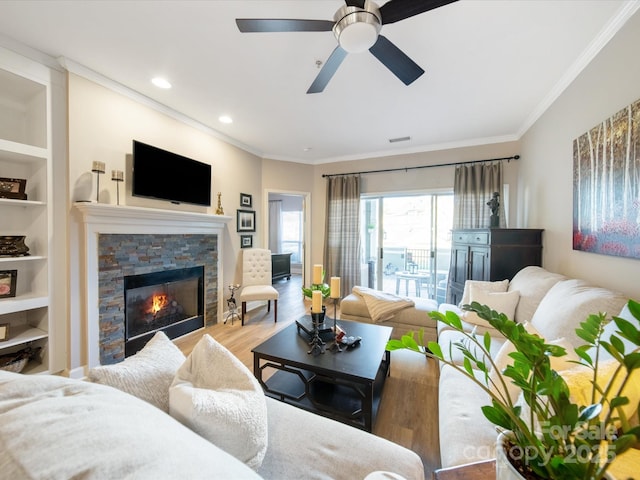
<point>356,25</point>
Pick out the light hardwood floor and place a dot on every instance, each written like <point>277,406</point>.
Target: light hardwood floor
<point>408,413</point>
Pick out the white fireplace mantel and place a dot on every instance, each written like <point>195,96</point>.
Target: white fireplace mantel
<point>102,218</point>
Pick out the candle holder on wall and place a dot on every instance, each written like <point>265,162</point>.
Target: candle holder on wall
<point>98,168</point>
<point>117,176</point>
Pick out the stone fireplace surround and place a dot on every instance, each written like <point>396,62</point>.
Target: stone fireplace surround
<point>201,231</point>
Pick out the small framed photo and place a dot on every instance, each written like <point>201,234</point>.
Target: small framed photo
<point>4,332</point>
<point>13,188</point>
<point>246,221</point>
<point>246,200</point>
<point>8,283</point>
<point>246,241</point>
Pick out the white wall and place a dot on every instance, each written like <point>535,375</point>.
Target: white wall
<point>545,191</point>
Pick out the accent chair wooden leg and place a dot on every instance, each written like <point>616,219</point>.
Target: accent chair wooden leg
<point>244,310</point>
<point>275,311</point>
<point>268,305</point>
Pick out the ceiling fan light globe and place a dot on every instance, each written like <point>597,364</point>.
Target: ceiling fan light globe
<point>358,37</point>
<point>357,29</point>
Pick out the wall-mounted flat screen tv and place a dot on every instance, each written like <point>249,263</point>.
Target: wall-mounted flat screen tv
<point>168,176</point>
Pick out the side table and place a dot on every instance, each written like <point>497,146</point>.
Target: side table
<point>485,470</point>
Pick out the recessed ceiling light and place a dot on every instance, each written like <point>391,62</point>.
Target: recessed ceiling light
<point>225,119</point>
<point>161,82</point>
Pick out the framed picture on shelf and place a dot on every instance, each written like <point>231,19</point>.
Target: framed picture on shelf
<point>8,283</point>
<point>246,241</point>
<point>246,200</point>
<point>13,188</point>
<point>4,331</point>
<point>246,221</point>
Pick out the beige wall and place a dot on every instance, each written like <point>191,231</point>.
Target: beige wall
<point>102,125</point>
<point>545,198</point>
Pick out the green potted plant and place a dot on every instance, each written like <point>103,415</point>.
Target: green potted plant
<point>554,437</point>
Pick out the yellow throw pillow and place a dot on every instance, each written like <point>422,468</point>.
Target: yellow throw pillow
<point>579,380</point>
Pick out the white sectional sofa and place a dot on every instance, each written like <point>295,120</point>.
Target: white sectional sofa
<point>554,305</point>
<point>52,427</point>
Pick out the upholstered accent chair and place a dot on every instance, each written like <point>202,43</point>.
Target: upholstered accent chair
<point>256,280</point>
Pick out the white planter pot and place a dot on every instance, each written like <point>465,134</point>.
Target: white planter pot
<point>504,469</point>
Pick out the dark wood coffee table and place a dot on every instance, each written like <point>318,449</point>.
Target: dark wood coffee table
<point>345,386</point>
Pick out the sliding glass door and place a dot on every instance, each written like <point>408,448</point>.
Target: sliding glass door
<point>406,243</point>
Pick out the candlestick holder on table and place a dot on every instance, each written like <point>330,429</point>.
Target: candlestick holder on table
<point>316,343</point>
<point>97,168</point>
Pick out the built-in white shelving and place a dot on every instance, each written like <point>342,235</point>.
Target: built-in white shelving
<point>26,153</point>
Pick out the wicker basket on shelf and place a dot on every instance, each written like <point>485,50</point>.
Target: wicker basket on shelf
<point>15,362</point>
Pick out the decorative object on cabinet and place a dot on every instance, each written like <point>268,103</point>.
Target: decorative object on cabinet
<point>13,188</point>
<point>246,221</point>
<point>605,206</point>
<point>246,241</point>
<point>117,176</point>
<point>98,168</point>
<point>8,283</point>
<point>490,254</point>
<point>246,200</point>
<point>494,205</point>
<point>4,332</point>
<point>13,246</point>
<point>219,210</point>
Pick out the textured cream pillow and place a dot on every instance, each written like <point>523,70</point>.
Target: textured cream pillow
<point>147,374</point>
<point>217,397</point>
<point>493,287</point>
<point>501,302</point>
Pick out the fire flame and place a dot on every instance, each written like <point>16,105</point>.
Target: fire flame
<point>159,302</point>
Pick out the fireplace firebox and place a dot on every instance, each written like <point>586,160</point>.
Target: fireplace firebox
<point>171,301</point>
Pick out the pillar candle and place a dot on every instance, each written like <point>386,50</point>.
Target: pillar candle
<point>317,274</point>
<point>335,287</point>
<point>316,301</point>
<point>97,167</point>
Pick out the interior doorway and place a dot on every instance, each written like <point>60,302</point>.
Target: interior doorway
<point>286,227</point>
<point>406,243</point>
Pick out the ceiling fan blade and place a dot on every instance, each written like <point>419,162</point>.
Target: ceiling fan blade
<point>396,10</point>
<point>396,60</point>
<point>355,3</point>
<point>249,25</point>
<point>328,69</point>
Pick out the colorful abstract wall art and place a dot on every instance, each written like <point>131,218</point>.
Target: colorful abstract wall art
<point>606,186</point>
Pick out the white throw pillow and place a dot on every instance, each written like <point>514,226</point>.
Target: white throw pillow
<point>147,374</point>
<point>501,302</point>
<point>490,287</point>
<point>216,396</point>
<point>502,359</point>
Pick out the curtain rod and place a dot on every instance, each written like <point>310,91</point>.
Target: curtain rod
<point>405,169</point>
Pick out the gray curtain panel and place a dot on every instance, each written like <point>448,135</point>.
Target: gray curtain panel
<point>473,187</point>
<point>275,226</point>
<point>342,232</point>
